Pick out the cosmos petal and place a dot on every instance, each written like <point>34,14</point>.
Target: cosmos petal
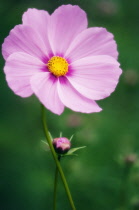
<point>73,99</point>
<point>95,77</point>
<point>44,85</point>
<point>66,22</point>
<point>39,20</point>
<point>24,39</point>
<point>90,42</point>
<point>19,68</point>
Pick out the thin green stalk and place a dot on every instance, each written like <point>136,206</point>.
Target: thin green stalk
<point>56,159</point>
<point>55,186</point>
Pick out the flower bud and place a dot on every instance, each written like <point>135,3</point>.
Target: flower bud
<point>61,145</point>
<point>130,159</point>
<point>136,205</point>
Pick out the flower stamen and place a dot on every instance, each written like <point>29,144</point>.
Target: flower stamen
<point>58,66</point>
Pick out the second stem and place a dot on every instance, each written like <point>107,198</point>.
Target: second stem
<point>47,135</point>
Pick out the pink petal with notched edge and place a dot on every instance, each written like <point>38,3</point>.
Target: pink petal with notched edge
<point>66,22</point>
<point>39,20</point>
<point>23,39</point>
<point>92,41</point>
<point>44,85</point>
<point>95,77</point>
<point>73,100</point>
<point>19,68</point>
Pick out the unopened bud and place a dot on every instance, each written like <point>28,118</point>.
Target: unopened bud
<point>136,205</point>
<point>61,145</point>
<point>130,159</point>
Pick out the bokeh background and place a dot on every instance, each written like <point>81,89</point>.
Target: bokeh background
<point>105,175</point>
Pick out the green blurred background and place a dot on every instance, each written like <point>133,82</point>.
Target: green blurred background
<point>105,175</point>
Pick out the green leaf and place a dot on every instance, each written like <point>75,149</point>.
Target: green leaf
<point>45,145</point>
<point>71,151</point>
<point>71,137</point>
<point>60,134</point>
<point>50,136</point>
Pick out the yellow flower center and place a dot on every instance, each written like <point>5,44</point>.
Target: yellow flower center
<point>58,66</point>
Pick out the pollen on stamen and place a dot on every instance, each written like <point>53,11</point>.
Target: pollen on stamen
<point>58,66</point>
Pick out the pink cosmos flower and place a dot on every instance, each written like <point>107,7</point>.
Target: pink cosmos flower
<point>60,60</point>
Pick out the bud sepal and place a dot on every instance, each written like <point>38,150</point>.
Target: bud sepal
<point>71,151</point>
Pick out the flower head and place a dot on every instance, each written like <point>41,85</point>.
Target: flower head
<point>60,60</point>
<point>61,145</point>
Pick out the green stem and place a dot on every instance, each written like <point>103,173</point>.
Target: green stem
<point>55,186</point>
<point>56,159</point>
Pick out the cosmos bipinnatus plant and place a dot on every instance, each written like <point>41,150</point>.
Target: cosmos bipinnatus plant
<point>65,64</point>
